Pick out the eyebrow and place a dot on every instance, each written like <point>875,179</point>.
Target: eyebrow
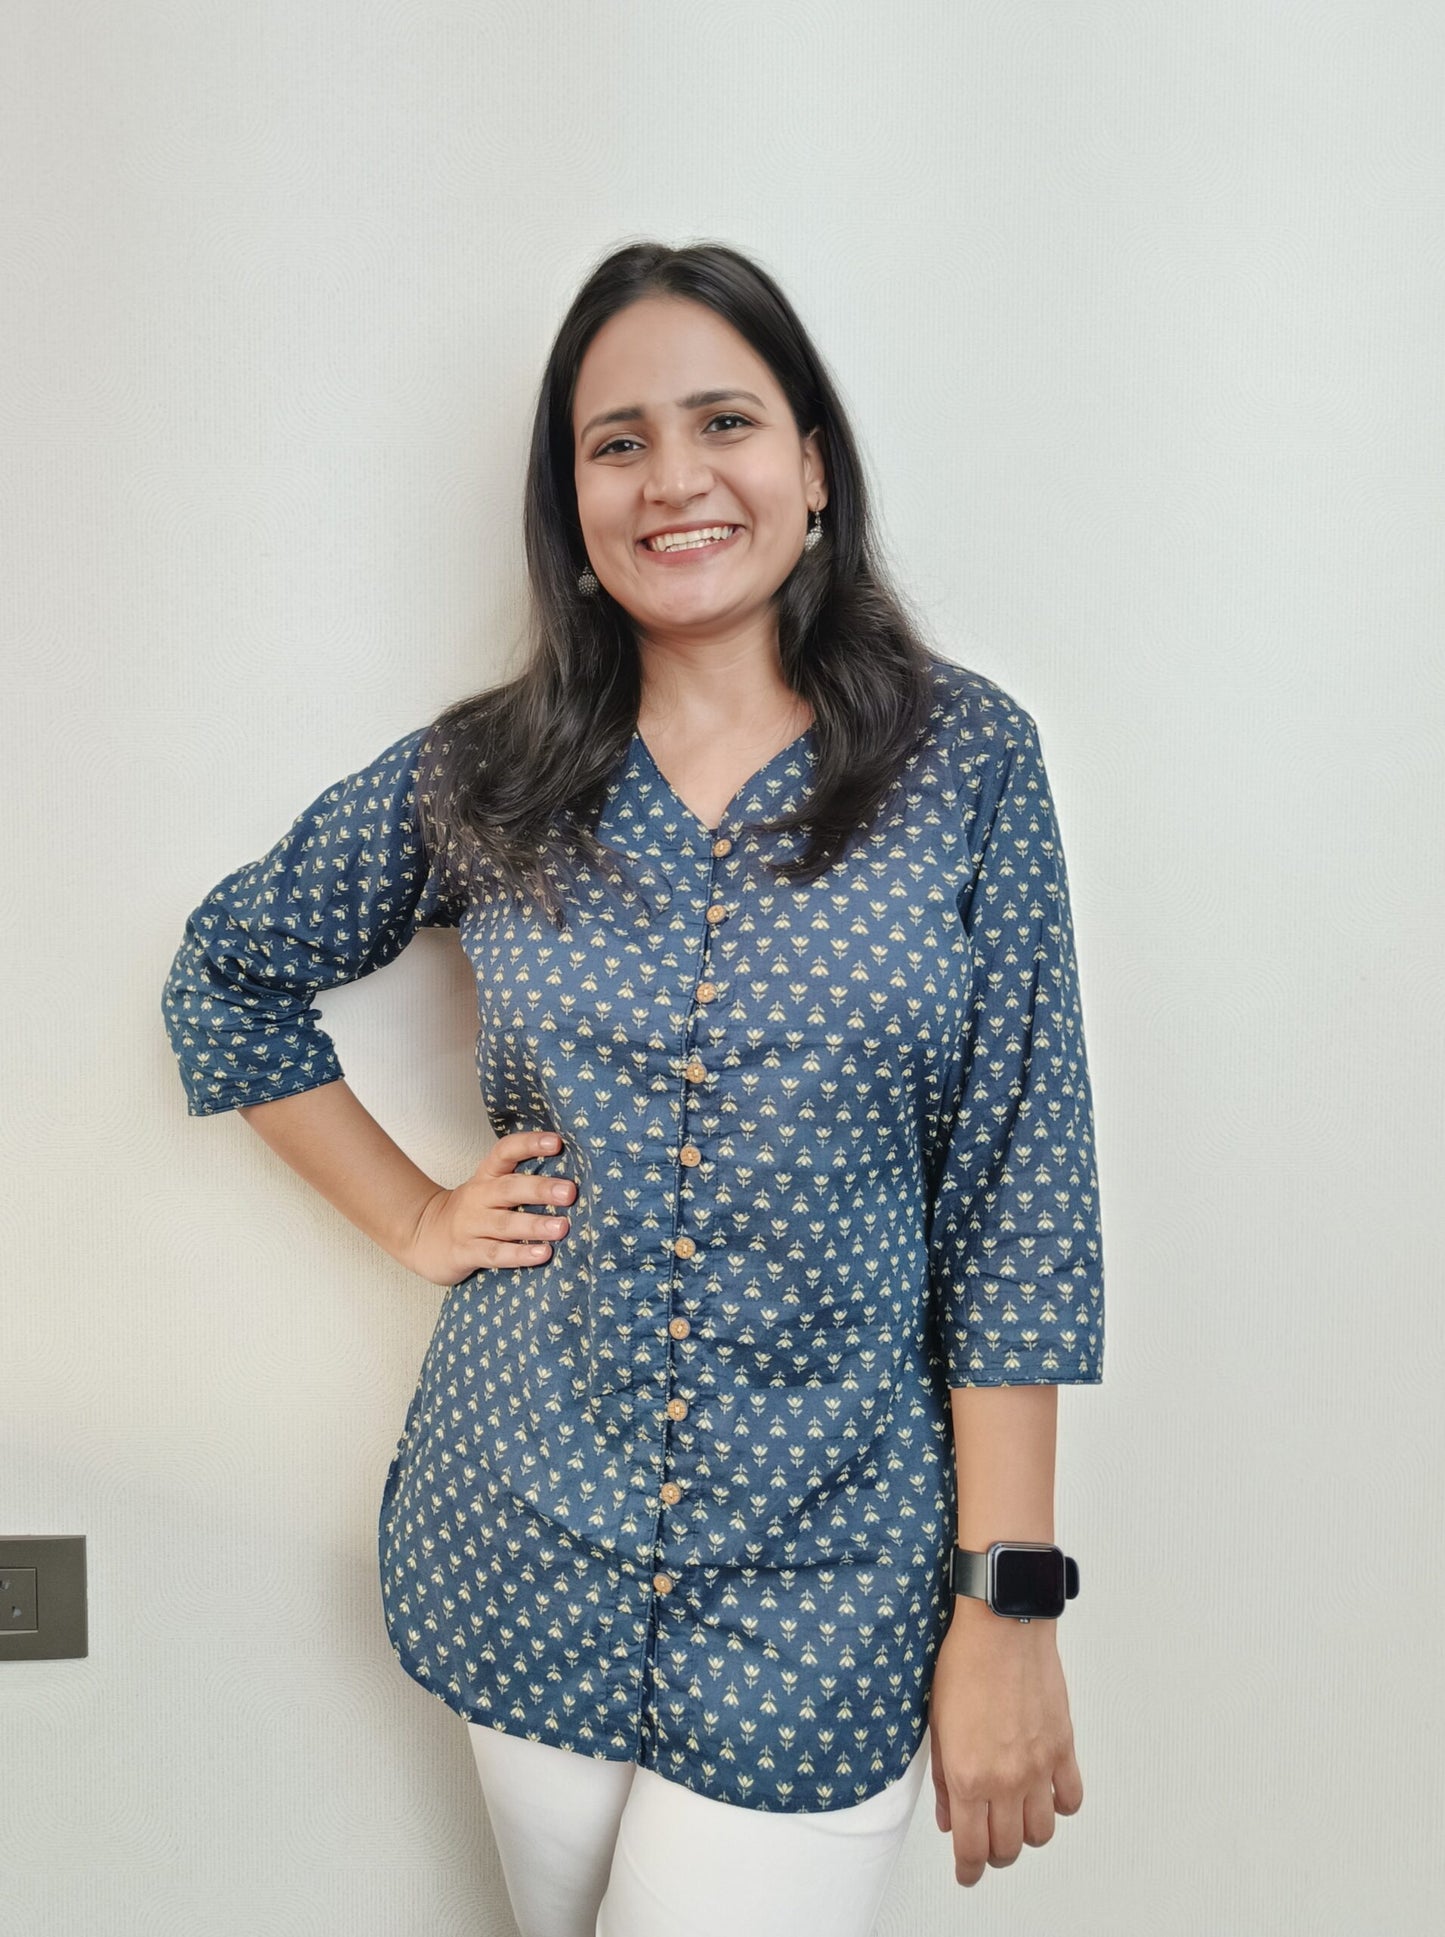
<point>629,413</point>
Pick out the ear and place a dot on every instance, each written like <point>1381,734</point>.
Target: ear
<point>815,471</point>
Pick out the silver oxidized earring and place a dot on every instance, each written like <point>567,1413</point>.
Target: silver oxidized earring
<point>815,532</point>
<point>587,581</point>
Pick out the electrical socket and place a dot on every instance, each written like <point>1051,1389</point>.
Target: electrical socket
<point>42,1598</point>
<point>17,1600</point>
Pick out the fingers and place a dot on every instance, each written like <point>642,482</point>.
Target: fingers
<point>1038,1816</point>
<point>536,1233</point>
<point>1068,1786</point>
<point>508,1185</point>
<point>518,1145</point>
<point>503,1238</point>
<point>477,1227</point>
<point>519,1188</point>
<point>970,1838</point>
<point>990,1833</point>
<point>940,1786</point>
<point>512,1238</point>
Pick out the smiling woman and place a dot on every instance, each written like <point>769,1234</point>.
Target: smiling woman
<point>769,920</point>
<point>682,394</point>
<point>695,518</point>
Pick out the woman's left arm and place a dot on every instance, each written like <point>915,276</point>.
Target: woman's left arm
<point>1002,1740</point>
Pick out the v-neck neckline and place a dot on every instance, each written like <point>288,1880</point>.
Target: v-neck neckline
<point>747,786</point>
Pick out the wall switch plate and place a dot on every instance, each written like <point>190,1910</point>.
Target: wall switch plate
<point>42,1598</point>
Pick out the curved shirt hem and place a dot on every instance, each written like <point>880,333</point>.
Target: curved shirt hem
<point>482,1714</point>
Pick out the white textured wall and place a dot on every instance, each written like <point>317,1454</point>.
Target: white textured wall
<point>1138,307</point>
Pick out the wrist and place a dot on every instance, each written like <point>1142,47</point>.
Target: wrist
<point>974,1617</point>
<point>406,1244</point>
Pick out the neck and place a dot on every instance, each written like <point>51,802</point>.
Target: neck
<point>718,686</point>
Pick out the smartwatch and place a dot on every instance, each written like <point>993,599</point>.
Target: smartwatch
<point>1024,1580</point>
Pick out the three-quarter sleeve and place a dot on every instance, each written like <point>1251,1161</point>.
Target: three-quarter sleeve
<point>339,895</point>
<point>1015,1244</point>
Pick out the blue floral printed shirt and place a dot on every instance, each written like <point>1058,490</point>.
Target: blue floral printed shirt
<point>684,1494</point>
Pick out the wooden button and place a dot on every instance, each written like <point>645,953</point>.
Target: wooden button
<point>684,1247</point>
<point>679,1327</point>
<point>689,1155</point>
<point>677,1409</point>
<point>671,1492</point>
<point>717,912</point>
<point>706,991</point>
<point>723,846</point>
<point>695,1071</point>
<point>663,1583</point>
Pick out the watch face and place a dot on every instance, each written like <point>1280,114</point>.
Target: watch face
<point>1028,1581</point>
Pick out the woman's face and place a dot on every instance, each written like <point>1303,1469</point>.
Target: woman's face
<point>669,460</point>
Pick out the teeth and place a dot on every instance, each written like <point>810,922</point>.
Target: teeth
<point>684,540</point>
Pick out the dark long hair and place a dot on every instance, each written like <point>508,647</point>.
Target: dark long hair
<point>503,764</point>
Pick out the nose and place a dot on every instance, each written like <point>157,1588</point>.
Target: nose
<point>677,470</point>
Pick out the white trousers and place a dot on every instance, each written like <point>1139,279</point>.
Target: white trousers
<point>592,1848</point>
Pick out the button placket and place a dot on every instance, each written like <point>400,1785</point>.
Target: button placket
<point>690,1157</point>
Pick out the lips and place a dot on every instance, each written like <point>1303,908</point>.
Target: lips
<point>677,552</point>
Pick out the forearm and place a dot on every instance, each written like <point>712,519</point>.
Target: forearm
<point>1004,1439</point>
<point>329,1137</point>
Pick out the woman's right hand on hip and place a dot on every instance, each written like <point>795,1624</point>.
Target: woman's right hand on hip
<point>476,1227</point>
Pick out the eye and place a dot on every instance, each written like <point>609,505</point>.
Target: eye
<point>732,416</point>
